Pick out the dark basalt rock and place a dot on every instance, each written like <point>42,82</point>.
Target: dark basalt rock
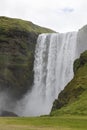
<point>17,46</point>
<point>8,114</point>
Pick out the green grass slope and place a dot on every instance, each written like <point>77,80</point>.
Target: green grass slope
<point>17,46</point>
<point>73,99</point>
<point>6,24</point>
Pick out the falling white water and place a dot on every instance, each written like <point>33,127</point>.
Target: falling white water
<point>53,69</point>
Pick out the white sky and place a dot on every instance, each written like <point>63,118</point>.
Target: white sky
<point>59,15</point>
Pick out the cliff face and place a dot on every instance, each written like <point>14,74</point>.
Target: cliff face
<point>17,46</point>
<point>82,40</point>
<point>73,99</point>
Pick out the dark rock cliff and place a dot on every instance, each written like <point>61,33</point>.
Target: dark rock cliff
<point>17,46</point>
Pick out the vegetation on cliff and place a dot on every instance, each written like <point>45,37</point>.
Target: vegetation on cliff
<point>17,46</point>
<point>73,99</point>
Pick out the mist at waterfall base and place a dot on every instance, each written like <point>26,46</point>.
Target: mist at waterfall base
<point>53,69</point>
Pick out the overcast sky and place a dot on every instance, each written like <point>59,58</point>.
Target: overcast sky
<point>59,15</point>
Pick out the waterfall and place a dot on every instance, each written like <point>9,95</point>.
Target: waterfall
<point>53,69</point>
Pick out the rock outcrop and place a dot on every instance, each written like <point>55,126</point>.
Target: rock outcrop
<point>17,46</point>
<point>8,114</point>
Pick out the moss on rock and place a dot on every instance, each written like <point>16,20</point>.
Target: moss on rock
<point>17,45</point>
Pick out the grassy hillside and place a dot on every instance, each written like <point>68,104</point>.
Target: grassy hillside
<point>7,24</point>
<point>17,45</point>
<point>73,99</point>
